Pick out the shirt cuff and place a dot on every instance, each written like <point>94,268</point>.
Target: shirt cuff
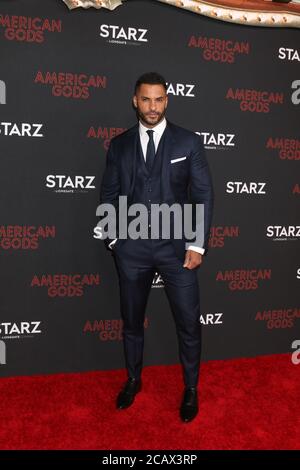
<point>111,244</point>
<point>197,249</point>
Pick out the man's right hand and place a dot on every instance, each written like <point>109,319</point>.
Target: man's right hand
<point>111,245</point>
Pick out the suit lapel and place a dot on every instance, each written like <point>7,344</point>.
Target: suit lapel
<point>131,155</point>
<point>166,152</point>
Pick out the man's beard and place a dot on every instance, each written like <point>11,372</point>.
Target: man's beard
<point>149,120</point>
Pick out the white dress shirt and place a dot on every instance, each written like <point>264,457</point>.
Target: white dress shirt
<point>144,138</point>
<point>158,131</point>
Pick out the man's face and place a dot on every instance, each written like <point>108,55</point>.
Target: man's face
<point>150,102</point>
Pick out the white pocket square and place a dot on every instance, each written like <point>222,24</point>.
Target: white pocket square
<point>178,159</point>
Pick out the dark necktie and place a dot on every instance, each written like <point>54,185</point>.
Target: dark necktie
<point>150,154</point>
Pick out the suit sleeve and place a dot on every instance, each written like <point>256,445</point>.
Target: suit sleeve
<point>110,187</point>
<point>201,188</point>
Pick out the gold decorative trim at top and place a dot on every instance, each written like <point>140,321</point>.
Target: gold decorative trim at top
<point>245,12</point>
<point>110,4</point>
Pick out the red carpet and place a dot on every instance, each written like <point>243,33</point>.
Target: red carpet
<point>244,404</point>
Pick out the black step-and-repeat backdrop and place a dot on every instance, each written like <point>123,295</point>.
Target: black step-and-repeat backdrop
<point>66,83</point>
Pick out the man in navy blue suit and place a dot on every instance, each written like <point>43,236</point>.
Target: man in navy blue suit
<point>156,162</point>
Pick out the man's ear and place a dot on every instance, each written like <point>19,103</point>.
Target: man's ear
<point>134,100</point>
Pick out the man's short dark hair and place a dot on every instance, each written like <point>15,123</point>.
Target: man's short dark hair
<point>150,78</point>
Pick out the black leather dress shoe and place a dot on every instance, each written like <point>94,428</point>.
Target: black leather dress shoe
<point>189,405</point>
<point>128,393</point>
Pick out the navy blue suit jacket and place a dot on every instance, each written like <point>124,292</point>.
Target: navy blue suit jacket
<point>186,181</point>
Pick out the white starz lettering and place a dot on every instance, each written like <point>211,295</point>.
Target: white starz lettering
<point>21,130</point>
<point>118,32</point>
<point>240,187</point>
<point>219,139</point>
<point>75,182</point>
<point>211,319</point>
<point>8,328</point>
<point>288,54</point>
<point>180,89</point>
<point>282,231</point>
